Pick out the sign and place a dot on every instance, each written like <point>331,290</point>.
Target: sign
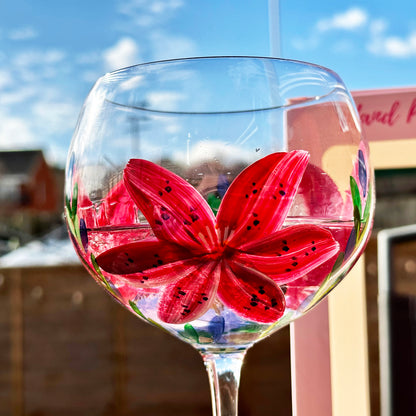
<point>387,114</point>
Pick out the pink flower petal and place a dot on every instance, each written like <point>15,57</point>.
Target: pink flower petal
<point>191,295</point>
<point>250,294</point>
<point>175,210</point>
<point>298,290</point>
<point>140,255</point>
<point>117,207</point>
<point>161,275</point>
<point>290,253</point>
<point>319,193</point>
<point>258,200</point>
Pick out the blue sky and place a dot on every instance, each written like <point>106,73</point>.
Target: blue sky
<point>51,52</point>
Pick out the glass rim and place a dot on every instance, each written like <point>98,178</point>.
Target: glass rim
<point>117,76</point>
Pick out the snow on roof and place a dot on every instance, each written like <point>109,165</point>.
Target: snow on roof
<point>41,253</point>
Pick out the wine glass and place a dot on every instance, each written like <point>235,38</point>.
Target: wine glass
<point>219,198</point>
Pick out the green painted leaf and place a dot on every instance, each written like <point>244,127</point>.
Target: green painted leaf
<point>214,202</point>
<point>368,204</point>
<point>324,286</point>
<point>355,193</point>
<point>70,221</point>
<point>77,230</point>
<point>96,266</point>
<point>100,275</point>
<point>151,321</point>
<point>74,204</point>
<point>250,328</point>
<point>286,319</point>
<point>190,333</point>
<point>338,262</point>
<point>67,203</point>
<point>357,221</point>
<point>136,309</point>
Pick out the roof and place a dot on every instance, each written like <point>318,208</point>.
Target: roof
<point>15,162</point>
<point>55,249</point>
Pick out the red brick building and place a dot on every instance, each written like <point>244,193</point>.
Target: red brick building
<point>26,182</point>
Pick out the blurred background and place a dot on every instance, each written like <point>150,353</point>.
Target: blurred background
<point>65,347</point>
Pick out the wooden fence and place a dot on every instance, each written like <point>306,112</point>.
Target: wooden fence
<point>67,349</point>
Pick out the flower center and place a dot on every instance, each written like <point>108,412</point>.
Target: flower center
<point>222,252</point>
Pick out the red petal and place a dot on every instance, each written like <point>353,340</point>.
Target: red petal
<point>141,255</point>
<point>250,293</point>
<point>319,193</point>
<point>290,253</point>
<point>162,275</point>
<point>191,295</point>
<point>298,290</point>
<point>258,200</point>
<point>117,207</point>
<point>175,210</point>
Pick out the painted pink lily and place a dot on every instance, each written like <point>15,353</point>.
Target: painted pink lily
<point>241,257</point>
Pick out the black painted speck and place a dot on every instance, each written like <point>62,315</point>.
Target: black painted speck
<point>194,217</point>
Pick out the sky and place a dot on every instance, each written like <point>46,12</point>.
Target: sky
<point>52,52</point>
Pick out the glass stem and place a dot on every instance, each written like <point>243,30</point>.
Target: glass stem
<point>224,379</point>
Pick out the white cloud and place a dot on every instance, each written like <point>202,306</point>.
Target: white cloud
<point>6,78</point>
<point>31,66</point>
<point>351,19</point>
<point>89,58</point>
<point>373,32</point>
<point>23,33</point>
<point>147,13</point>
<point>391,46</point>
<point>378,26</point>
<point>168,46</point>
<point>19,96</point>
<point>214,150</point>
<point>309,43</point>
<point>124,53</point>
<point>15,133</point>
<point>36,57</point>
<point>347,21</point>
<point>55,115</point>
<point>38,108</point>
<point>164,100</point>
